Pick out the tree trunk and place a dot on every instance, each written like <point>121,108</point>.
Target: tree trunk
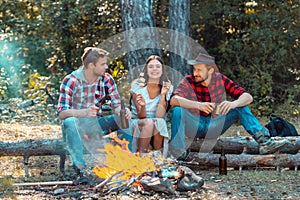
<point>237,145</point>
<point>179,21</point>
<point>141,38</point>
<point>247,160</point>
<point>33,148</point>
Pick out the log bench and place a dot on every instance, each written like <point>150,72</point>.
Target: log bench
<point>27,148</point>
<point>240,151</point>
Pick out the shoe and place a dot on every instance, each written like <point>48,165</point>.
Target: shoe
<point>184,155</point>
<point>79,170</point>
<point>266,144</point>
<point>83,176</point>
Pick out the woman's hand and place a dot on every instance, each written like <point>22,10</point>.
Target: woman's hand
<point>140,100</point>
<point>128,113</point>
<point>165,87</point>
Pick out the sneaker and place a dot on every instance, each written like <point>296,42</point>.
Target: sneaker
<point>83,176</point>
<point>266,144</point>
<point>184,155</point>
<point>79,170</point>
<point>272,146</point>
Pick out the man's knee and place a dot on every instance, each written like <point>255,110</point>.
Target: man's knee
<point>68,124</point>
<point>177,112</point>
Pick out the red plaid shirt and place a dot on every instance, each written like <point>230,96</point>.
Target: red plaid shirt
<point>76,93</point>
<point>219,87</point>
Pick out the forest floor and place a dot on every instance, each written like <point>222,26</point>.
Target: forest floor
<point>253,183</point>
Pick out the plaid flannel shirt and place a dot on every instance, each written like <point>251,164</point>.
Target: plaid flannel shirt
<point>216,92</point>
<point>76,93</point>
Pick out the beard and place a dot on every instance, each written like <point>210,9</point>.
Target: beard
<point>200,79</point>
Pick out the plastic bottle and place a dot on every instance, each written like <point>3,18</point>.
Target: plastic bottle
<point>124,120</point>
<point>223,164</point>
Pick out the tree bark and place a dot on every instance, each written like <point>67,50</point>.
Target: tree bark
<point>141,39</point>
<point>236,145</point>
<point>33,148</point>
<point>179,21</point>
<point>247,160</point>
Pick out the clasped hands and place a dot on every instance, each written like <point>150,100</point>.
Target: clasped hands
<point>224,107</point>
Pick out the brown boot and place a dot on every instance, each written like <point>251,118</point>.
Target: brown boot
<point>266,144</point>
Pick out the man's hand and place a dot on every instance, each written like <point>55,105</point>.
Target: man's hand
<point>226,106</point>
<point>91,111</point>
<point>206,107</point>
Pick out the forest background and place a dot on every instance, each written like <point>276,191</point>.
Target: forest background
<point>255,43</point>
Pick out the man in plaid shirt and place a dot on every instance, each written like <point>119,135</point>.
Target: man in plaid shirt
<point>79,106</point>
<point>201,109</point>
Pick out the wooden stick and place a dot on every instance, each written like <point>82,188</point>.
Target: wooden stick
<point>103,183</point>
<point>45,183</point>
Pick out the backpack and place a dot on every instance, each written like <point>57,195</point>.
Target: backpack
<point>278,126</point>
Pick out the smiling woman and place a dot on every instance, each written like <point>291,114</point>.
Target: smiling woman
<point>150,95</point>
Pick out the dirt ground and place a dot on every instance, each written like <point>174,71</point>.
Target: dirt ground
<point>252,183</point>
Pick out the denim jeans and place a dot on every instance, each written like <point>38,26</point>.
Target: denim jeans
<point>85,134</point>
<point>186,125</point>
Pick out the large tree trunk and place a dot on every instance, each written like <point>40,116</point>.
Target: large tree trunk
<point>179,21</point>
<point>141,38</point>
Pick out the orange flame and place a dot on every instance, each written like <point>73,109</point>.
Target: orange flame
<point>119,158</point>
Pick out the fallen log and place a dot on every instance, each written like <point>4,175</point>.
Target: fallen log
<point>27,148</point>
<point>231,145</point>
<point>33,148</point>
<point>236,145</point>
<point>247,160</point>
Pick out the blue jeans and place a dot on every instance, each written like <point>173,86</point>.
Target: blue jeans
<point>85,134</point>
<point>185,124</point>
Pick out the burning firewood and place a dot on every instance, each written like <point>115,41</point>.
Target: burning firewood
<point>103,183</point>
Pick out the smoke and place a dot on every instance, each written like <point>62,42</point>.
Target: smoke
<point>11,63</point>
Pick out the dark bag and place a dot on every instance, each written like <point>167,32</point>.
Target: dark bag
<point>280,127</point>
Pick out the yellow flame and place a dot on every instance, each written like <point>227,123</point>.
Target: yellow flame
<point>118,159</point>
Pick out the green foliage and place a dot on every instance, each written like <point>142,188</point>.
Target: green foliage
<point>118,71</point>
<point>255,43</point>
<point>291,107</point>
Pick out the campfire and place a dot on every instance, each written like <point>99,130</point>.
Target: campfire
<point>124,170</point>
